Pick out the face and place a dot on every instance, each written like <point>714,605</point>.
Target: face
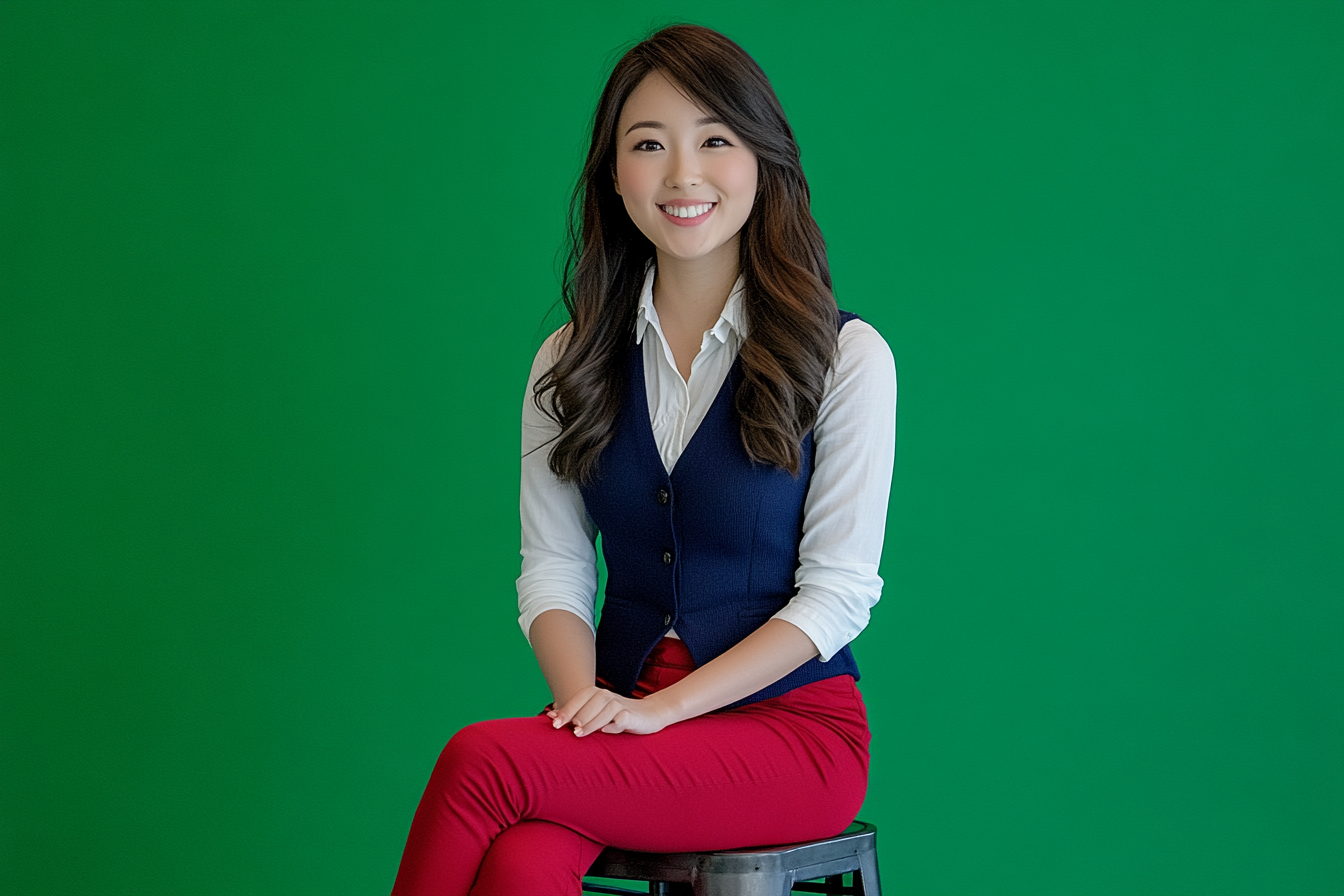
<point>688,182</point>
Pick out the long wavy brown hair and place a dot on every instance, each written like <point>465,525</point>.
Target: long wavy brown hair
<point>790,311</point>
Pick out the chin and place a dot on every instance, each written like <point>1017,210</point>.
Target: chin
<point>685,252</point>
<point>685,256</point>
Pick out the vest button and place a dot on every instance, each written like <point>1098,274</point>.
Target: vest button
<point>667,620</point>
<point>663,496</point>
<point>667,557</point>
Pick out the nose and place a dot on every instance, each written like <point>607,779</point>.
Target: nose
<point>683,170</point>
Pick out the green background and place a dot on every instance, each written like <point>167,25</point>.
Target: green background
<point>271,275</point>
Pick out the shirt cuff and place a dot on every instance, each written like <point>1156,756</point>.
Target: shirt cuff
<point>535,609</point>
<point>829,620</point>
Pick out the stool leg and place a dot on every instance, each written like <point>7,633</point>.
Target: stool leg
<point>866,881</point>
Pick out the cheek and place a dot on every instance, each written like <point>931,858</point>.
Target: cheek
<point>635,194</point>
<point>633,177</point>
<point>750,178</point>
<point>741,180</point>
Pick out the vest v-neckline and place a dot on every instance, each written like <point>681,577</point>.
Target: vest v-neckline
<point>646,429</point>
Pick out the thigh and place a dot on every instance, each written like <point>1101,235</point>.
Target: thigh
<point>772,772</point>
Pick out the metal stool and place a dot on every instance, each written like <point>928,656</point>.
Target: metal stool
<point>766,871</point>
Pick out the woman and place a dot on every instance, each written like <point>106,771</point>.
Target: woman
<point>730,434</point>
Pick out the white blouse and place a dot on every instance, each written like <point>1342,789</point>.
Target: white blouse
<point>844,515</point>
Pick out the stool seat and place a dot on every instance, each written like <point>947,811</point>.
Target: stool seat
<point>761,871</point>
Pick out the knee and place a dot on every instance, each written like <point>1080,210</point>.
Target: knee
<point>535,857</point>
<point>537,845</point>
<point>476,747</point>
<point>477,738</point>
<point>496,756</point>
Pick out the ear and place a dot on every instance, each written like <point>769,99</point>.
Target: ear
<point>616,181</point>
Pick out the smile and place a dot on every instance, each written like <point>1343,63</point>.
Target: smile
<point>688,214</point>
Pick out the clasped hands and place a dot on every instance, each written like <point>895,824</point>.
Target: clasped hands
<point>597,709</point>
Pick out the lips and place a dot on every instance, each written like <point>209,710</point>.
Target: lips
<point>687,211</point>
<point>688,215</point>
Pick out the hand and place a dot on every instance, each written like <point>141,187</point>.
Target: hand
<point>596,709</point>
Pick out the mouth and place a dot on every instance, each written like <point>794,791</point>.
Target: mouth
<point>687,215</point>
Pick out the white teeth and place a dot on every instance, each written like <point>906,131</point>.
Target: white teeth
<point>687,211</point>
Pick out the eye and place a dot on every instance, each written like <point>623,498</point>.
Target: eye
<point>721,142</point>
<point>647,146</point>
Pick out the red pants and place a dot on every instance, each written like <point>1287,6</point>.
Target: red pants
<point>515,806</point>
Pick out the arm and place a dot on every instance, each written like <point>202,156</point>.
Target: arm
<point>845,515</point>
<point>760,659</point>
<point>565,651</point>
<point>559,576</point>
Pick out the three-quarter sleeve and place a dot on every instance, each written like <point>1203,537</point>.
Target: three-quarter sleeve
<point>844,516</point>
<point>559,559</point>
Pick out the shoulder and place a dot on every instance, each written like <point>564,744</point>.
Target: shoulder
<point>550,351</point>
<point>860,393</point>
<point>862,352</point>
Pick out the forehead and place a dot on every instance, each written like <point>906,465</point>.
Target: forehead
<point>659,99</point>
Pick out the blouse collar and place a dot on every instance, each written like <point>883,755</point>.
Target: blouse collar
<point>731,320</point>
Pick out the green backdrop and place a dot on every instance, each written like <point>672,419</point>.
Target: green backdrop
<point>271,275</point>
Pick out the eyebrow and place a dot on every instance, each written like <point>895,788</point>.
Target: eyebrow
<point>708,119</point>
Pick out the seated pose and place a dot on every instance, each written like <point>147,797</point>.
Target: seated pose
<point>730,433</point>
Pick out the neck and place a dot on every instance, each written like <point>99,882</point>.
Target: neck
<point>690,294</point>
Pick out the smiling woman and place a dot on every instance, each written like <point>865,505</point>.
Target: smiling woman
<point>730,433</point>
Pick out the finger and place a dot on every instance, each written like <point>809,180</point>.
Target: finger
<point>593,710</point>
<point>635,720</point>
<point>565,714</point>
<point>599,719</point>
<point>562,717</point>
<point>619,723</point>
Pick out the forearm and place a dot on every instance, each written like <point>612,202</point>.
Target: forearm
<point>565,651</point>
<point>760,659</point>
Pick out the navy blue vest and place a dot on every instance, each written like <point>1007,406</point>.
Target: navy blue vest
<point>710,550</point>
